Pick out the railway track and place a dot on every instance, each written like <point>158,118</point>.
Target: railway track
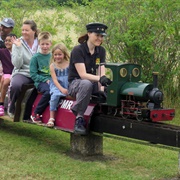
<point>158,133</point>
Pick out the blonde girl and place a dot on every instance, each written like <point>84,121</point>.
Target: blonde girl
<point>59,68</point>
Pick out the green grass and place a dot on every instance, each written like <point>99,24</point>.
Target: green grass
<point>33,152</point>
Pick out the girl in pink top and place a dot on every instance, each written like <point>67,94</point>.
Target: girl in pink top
<point>6,70</point>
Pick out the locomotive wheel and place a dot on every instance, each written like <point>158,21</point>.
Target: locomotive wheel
<point>139,118</point>
<point>125,116</point>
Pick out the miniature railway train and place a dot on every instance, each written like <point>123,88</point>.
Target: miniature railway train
<point>127,97</point>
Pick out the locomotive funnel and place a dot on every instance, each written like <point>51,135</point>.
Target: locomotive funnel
<point>155,95</point>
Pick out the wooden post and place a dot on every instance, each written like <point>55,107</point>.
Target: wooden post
<point>87,145</point>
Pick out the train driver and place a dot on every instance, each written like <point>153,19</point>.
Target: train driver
<point>86,58</point>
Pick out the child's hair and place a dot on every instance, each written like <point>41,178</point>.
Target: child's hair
<point>64,50</point>
<point>11,35</point>
<point>44,36</point>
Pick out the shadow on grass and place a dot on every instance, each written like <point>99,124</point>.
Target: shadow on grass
<point>54,140</point>
<point>92,158</point>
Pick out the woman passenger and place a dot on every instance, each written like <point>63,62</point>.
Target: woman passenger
<point>22,51</point>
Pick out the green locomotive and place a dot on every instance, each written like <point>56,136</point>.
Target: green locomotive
<point>128,97</point>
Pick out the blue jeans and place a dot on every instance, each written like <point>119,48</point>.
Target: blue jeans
<point>55,99</point>
<point>43,88</point>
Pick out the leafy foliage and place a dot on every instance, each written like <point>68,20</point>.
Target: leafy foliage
<point>143,32</point>
<point>50,17</point>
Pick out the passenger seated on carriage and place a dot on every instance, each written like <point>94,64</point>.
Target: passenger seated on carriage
<point>6,71</point>
<point>22,51</point>
<point>6,27</point>
<point>83,79</point>
<point>59,69</point>
<point>39,72</point>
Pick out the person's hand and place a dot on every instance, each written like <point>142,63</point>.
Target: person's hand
<point>47,81</point>
<point>105,81</point>
<point>16,41</point>
<point>65,91</point>
<point>1,70</point>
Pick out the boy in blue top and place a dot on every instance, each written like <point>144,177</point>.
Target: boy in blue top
<point>40,73</point>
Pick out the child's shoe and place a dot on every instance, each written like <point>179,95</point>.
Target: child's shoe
<point>11,115</point>
<point>1,110</point>
<point>51,122</point>
<point>36,118</point>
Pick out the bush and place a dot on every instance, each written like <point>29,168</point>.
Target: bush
<point>143,32</point>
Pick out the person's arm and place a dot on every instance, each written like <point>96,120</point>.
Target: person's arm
<point>34,72</point>
<point>80,67</point>
<point>54,78</point>
<point>1,67</point>
<point>17,53</point>
<point>33,69</point>
<point>101,72</point>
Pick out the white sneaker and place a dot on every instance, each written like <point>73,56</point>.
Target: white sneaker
<point>11,115</point>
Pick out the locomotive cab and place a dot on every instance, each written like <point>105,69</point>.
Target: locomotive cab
<point>121,74</point>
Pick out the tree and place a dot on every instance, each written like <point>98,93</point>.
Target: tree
<point>143,32</point>
<point>48,16</point>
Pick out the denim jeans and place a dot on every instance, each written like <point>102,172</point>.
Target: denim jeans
<point>43,88</point>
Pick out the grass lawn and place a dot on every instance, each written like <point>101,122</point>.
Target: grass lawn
<point>33,152</point>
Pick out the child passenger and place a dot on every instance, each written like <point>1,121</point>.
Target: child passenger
<point>59,68</point>
<point>7,68</point>
<point>39,72</point>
